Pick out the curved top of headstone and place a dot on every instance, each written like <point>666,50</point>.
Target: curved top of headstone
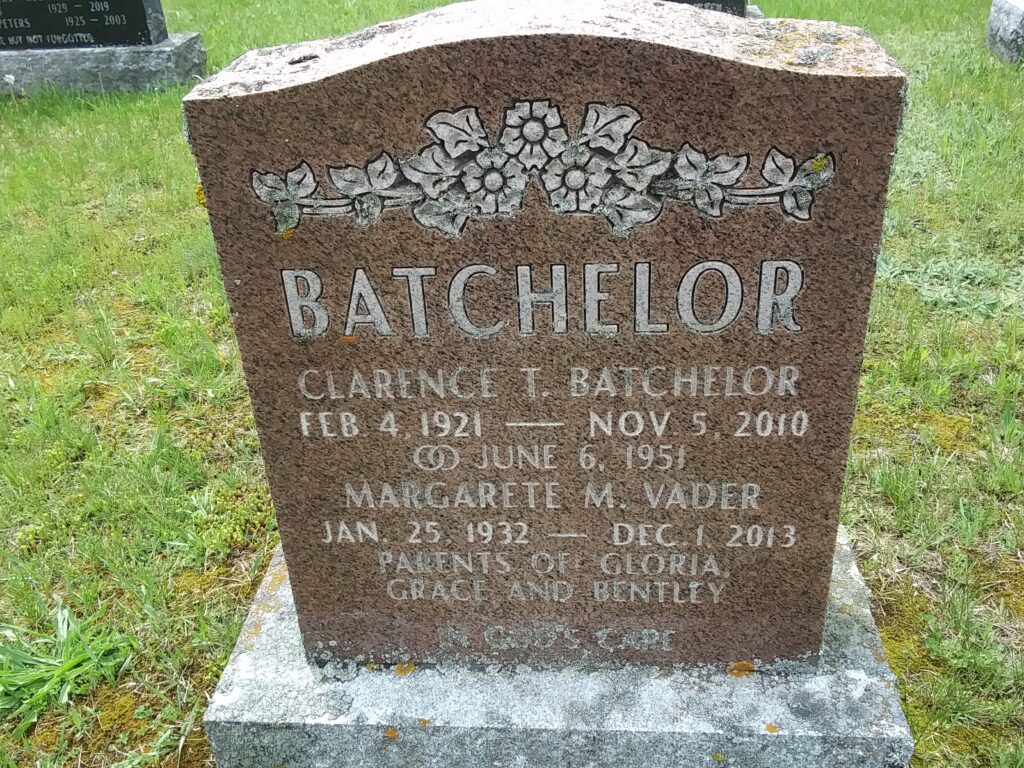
<point>815,47</point>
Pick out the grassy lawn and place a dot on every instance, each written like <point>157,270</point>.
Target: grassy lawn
<point>134,517</point>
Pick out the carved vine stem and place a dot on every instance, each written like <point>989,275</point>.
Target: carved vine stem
<point>601,170</point>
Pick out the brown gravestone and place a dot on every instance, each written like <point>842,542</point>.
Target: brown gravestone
<point>552,321</point>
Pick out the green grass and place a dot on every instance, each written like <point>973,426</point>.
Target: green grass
<point>131,488</point>
<point>38,670</point>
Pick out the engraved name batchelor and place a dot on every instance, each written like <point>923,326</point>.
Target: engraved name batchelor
<point>310,306</point>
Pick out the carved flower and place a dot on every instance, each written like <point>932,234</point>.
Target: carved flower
<point>534,132</point>
<point>575,180</point>
<point>708,179</point>
<point>495,182</point>
<point>463,175</point>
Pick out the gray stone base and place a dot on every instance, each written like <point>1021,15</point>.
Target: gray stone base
<point>754,12</point>
<point>1006,29</point>
<point>178,59</point>
<point>273,710</point>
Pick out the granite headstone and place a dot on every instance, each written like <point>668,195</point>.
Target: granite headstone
<point>1006,29</point>
<point>80,23</point>
<point>735,7</point>
<point>93,46</point>
<point>552,320</point>
<point>553,352</point>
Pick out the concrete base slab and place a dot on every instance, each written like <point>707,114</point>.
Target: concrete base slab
<point>178,59</point>
<point>273,709</point>
<point>1006,29</point>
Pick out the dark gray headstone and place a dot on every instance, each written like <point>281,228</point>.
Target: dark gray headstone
<point>80,23</point>
<point>96,46</point>
<point>735,7</point>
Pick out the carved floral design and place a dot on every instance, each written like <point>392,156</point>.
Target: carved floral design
<point>603,170</point>
<point>495,182</point>
<point>534,132</point>
<point>576,180</point>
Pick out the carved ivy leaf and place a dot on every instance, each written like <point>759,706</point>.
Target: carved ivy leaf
<point>432,169</point>
<point>709,200</point>
<point>638,164</point>
<point>448,214</point>
<point>816,173</point>
<point>797,204</point>
<point>386,180</point>
<point>382,172</point>
<point>380,178</point>
<point>287,216</point>
<point>691,164</point>
<point>460,132</point>
<point>608,126</point>
<point>300,181</point>
<point>727,169</point>
<point>626,210</point>
<point>778,168</point>
<point>695,168</point>
<point>350,180</point>
<point>269,187</point>
<point>624,179</point>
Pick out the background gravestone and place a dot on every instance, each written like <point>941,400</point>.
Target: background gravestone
<point>1006,29</point>
<point>552,324</point>
<point>735,7</point>
<point>34,24</point>
<point>99,45</point>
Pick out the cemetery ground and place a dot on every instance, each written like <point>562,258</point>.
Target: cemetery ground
<point>134,517</point>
